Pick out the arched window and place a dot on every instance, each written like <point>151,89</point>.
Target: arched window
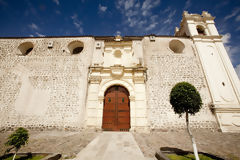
<point>200,30</point>
<point>25,48</point>
<point>75,47</point>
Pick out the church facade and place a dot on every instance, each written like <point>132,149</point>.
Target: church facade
<point>118,83</point>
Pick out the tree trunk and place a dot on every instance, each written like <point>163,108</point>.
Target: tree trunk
<point>14,155</point>
<point>193,140</point>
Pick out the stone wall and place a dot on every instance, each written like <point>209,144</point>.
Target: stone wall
<point>165,69</point>
<point>46,88</point>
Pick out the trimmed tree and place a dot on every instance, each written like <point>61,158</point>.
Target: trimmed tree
<point>18,139</point>
<point>185,98</point>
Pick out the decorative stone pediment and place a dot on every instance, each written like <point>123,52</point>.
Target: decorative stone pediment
<point>117,71</point>
<point>118,52</point>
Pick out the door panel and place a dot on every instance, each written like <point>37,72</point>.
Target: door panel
<point>116,111</point>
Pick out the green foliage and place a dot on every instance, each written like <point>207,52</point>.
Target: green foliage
<point>187,157</point>
<point>184,97</point>
<point>18,138</point>
<point>177,157</point>
<point>201,157</point>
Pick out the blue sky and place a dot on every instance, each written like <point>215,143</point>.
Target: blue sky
<point>36,18</point>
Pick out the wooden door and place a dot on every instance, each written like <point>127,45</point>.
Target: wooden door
<point>116,111</point>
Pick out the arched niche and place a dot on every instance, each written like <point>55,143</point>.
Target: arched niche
<point>176,46</point>
<point>25,48</point>
<point>76,47</point>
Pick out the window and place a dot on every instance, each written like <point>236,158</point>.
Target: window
<point>25,48</point>
<point>77,50</point>
<point>176,46</point>
<point>75,47</point>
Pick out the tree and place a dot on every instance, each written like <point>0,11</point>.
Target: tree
<point>18,139</point>
<point>185,98</point>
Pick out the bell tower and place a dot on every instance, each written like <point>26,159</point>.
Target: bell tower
<point>222,80</point>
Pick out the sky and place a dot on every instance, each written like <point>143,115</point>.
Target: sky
<point>38,18</point>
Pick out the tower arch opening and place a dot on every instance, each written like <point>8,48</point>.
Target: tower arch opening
<point>200,30</point>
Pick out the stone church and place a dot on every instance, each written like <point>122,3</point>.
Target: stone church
<point>118,83</point>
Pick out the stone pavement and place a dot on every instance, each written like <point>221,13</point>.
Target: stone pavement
<point>111,146</point>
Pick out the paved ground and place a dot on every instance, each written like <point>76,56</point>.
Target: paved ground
<point>65,142</point>
<point>112,146</point>
<point>226,145</point>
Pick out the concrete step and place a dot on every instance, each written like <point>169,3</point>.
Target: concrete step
<point>111,146</point>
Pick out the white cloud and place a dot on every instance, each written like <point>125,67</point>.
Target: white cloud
<point>232,51</point>
<point>238,18</point>
<point>128,4</point>
<point>234,13</point>
<point>30,35</point>
<point>226,38</point>
<point>131,13</point>
<point>151,26</point>
<point>33,26</point>
<point>56,1</point>
<point>167,9</point>
<point>132,21</point>
<point>148,5</point>
<point>138,14</point>
<point>237,69</point>
<point>77,23</point>
<point>39,35</point>
<point>187,4</point>
<point>102,8</point>
<point>170,17</point>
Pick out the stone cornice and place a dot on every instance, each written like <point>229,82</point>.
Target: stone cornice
<point>101,68</point>
<point>227,110</point>
<point>137,73</point>
<point>207,38</point>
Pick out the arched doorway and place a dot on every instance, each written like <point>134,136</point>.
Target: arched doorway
<point>116,110</point>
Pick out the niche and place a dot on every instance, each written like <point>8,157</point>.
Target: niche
<point>25,48</point>
<point>176,46</point>
<point>118,54</point>
<point>75,47</point>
